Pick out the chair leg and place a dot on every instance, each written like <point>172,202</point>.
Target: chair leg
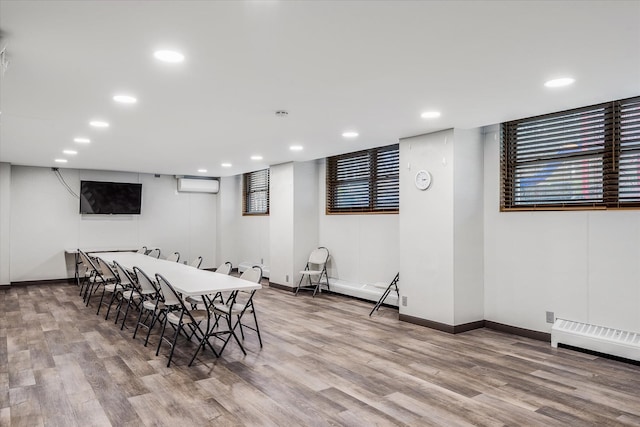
<point>164,326</point>
<point>124,318</point>
<point>173,343</point>
<point>232,334</point>
<point>255,319</point>
<point>154,319</point>
<point>113,298</point>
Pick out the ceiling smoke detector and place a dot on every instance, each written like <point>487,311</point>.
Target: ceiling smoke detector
<point>281,113</point>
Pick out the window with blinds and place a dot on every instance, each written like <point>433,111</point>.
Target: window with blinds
<point>255,191</point>
<point>364,182</point>
<point>583,158</point>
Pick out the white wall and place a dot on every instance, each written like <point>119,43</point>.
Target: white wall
<point>281,219</point>
<point>5,223</point>
<point>45,221</point>
<point>582,265</point>
<point>305,215</point>
<point>441,228</point>
<point>364,248</point>
<point>240,238</point>
<point>468,193</point>
<point>426,228</point>
<point>228,218</point>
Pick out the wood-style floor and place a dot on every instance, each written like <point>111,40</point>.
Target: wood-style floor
<point>324,362</point>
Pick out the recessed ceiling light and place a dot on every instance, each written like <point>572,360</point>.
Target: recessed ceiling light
<point>99,124</point>
<point>430,114</point>
<point>202,170</point>
<point>256,157</point>
<point>125,99</point>
<point>61,160</point>
<point>350,134</point>
<point>168,56</point>
<point>226,165</point>
<point>70,152</point>
<point>564,81</point>
<point>296,148</point>
<point>82,140</point>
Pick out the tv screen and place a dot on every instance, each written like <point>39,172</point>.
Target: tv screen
<point>110,198</point>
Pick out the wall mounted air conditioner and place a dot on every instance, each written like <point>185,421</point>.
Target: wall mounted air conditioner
<point>197,185</point>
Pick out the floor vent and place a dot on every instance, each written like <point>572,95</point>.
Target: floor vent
<point>596,338</point>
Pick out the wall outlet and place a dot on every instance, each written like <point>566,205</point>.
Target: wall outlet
<point>550,317</point>
<point>261,261</point>
<point>404,301</point>
<point>286,278</point>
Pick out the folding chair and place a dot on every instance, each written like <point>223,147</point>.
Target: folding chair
<point>103,276</point>
<point>237,308</point>
<point>112,285</point>
<point>316,268</point>
<point>155,253</point>
<point>130,293</point>
<point>174,257</point>
<point>393,285</point>
<point>225,268</point>
<point>152,303</point>
<point>180,317</point>
<point>196,262</point>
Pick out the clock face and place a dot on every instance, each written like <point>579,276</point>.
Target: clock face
<point>423,180</point>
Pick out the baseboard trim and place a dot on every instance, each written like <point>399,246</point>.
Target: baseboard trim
<point>514,330</point>
<point>443,327</point>
<point>70,280</point>
<point>281,287</point>
<point>456,329</point>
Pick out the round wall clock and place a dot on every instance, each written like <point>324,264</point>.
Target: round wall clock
<point>423,180</point>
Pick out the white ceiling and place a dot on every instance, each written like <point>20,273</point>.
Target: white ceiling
<point>334,66</point>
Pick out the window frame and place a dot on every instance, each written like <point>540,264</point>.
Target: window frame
<point>589,175</point>
<point>374,169</point>
<point>251,184</point>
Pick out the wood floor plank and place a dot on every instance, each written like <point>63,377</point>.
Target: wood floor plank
<point>324,362</point>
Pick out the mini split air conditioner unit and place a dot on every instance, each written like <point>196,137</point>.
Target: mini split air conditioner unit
<point>196,185</point>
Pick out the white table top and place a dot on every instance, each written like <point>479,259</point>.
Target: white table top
<point>109,249</point>
<point>184,278</point>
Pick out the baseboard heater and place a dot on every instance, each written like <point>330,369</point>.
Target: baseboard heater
<point>605,340</point>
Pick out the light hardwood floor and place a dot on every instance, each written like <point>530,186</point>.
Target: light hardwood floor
<point>325,362</point>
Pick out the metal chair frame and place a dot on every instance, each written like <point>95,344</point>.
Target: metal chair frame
<point>392,286</point>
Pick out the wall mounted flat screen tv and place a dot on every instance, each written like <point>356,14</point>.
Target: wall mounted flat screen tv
<point>110,198</point>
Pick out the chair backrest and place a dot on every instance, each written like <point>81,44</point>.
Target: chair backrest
<point>147,286</point>
<point>253,274</point>
<point>125,278</point>
<point>319,256</point>
<point>170,295</point>
<point>196,262</point>
<point>106,271</point>
<point>155,253</point>
<point>175,257</point>
<point>87,262</point>
<point>225,268</point>
<point>142,250</point>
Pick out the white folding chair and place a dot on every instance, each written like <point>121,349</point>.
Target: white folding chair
<point>240,303</point>
<point>152,304</point>
<point>174,257</point>
<point>196,262</point>
<point>180,317</point>
<point>316,268</point>
<point>155,253</point>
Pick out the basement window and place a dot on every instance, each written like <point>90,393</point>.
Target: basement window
<point>255,193</point>
<point>586,158</point>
